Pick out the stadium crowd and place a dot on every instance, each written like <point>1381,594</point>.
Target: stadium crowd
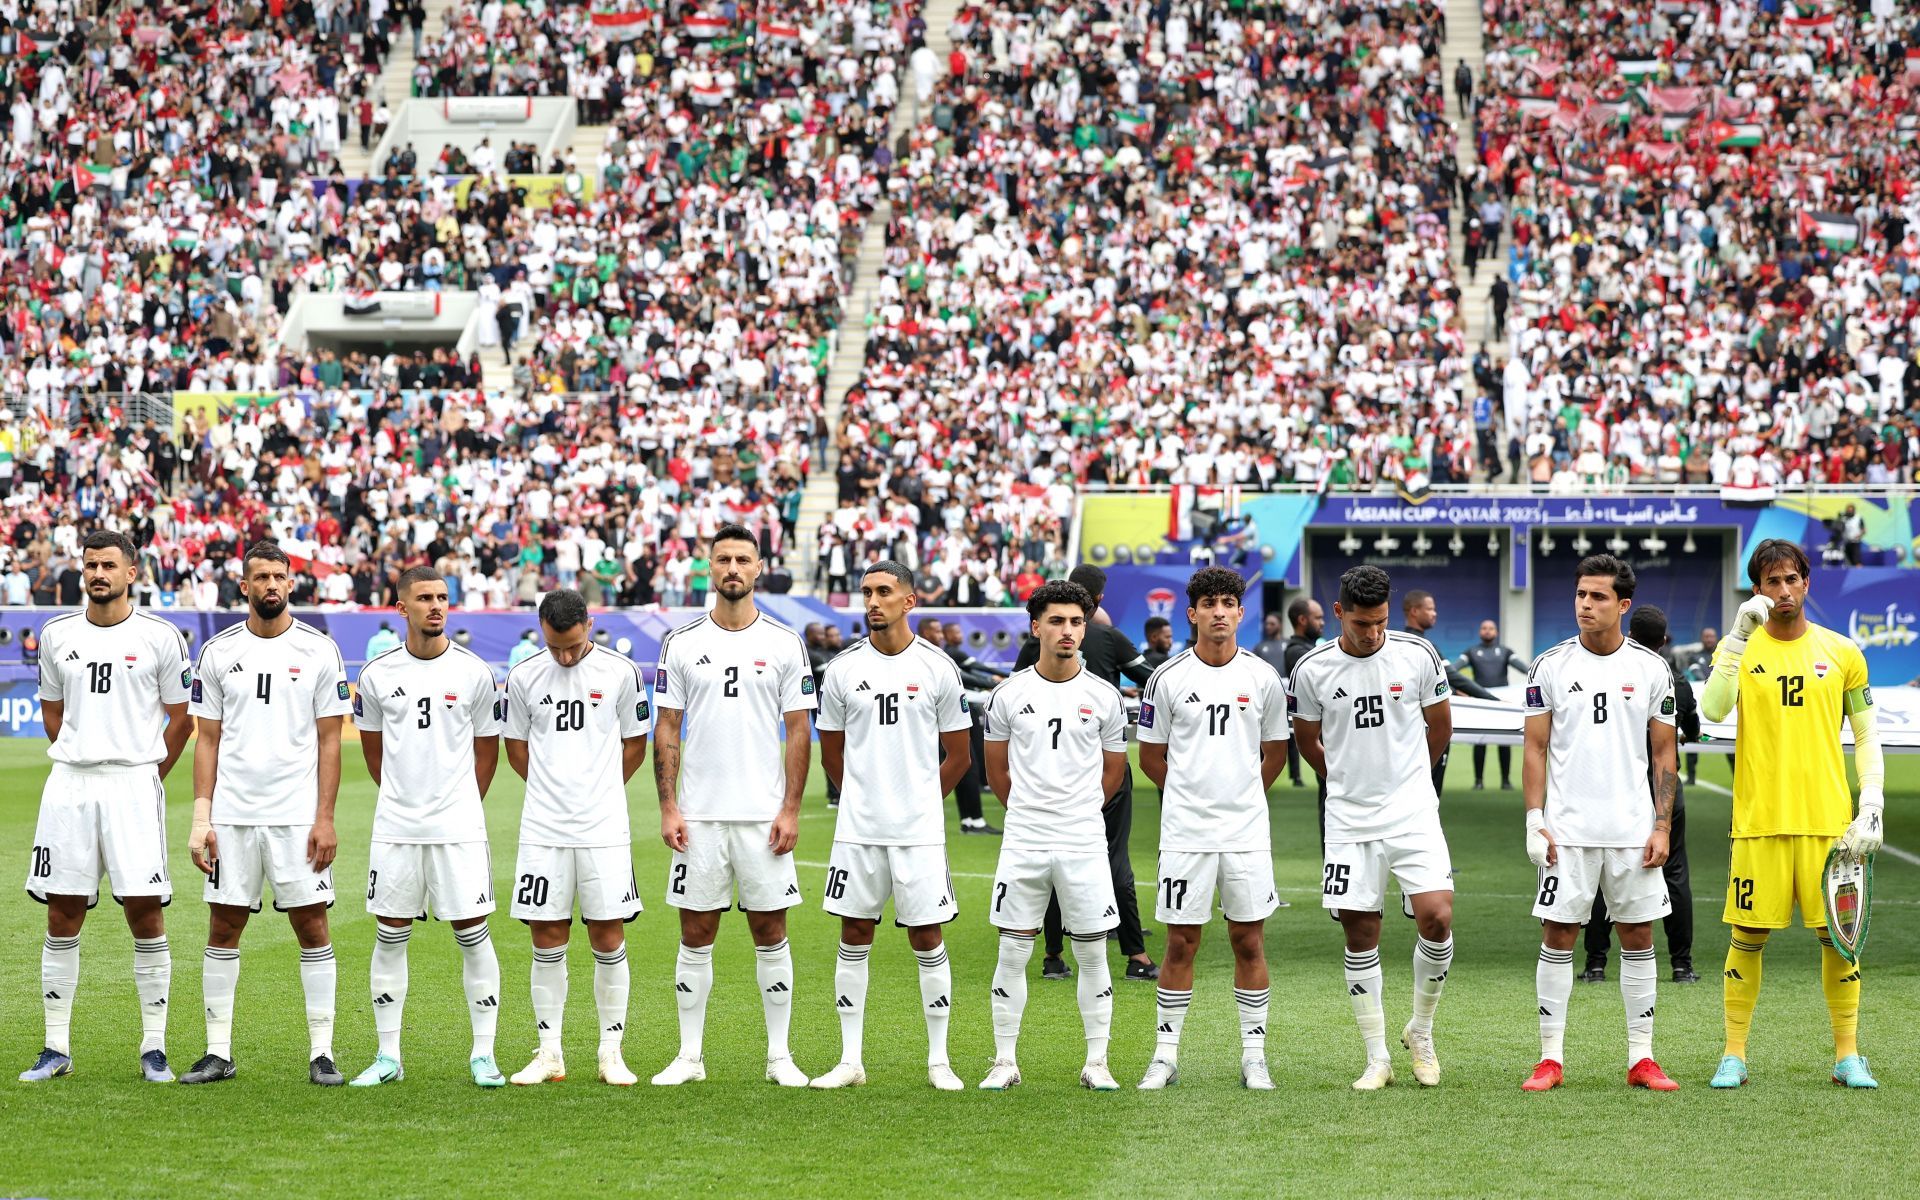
<point>1706,218</point>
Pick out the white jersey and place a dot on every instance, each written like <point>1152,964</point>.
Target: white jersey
<point>1599,793</point>
<point>428,711</point>
<point>1212,720</point>
<point>893,709</point>
<point>1058,736</point>
<point>1373,727</point>
<point>575,721</point>
<point>735,688</point>
<point>115,681</point>
<point>268,693</point>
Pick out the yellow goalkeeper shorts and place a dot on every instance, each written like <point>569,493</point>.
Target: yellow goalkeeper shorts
<point>1770,874</point>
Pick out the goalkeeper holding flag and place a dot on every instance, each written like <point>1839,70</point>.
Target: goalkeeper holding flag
<point>1791,681</point>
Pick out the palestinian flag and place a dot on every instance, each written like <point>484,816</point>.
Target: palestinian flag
<point>1579,177</point>
<point>1524,53</point>
<point>1736,133</point>
<point>1633,70</point>
<point>91,175</point>
<point>620,26</point>
<point>704,26</point>
<point>1133,124</point>
<point>38,41</point>
<point>785,32</point>
<point>1836,230</point>
<point>184,239</point>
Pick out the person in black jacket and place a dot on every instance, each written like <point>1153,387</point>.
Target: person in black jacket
<point>1422,615</point>
<point>968,790</point>
<point>1648,626</point>
<point>1308,622</point>
<point>1109,654</point>
<point>1488,660</point>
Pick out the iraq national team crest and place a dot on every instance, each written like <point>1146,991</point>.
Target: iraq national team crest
<point>1243,699</point>
<point>1820,670</point>
<point>451,699</point>
<point>1626,689</point>
<point>913,691</point>
<point>1395,691</point>
<point>1086,713</point>
<point>759,666</point>
<point>594,698</point>
<point>294,671</point>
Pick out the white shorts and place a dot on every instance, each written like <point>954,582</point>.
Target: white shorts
<point>449,880</point>
<point>254,856</point>
<point>1026,878</point>
<point>100,821</point>
<point>548,879</point>
<point>1635,894</point>
<point>1354,877</point>
<point>724,856</point>
<point>861,878</point>
<point>1188,879</point>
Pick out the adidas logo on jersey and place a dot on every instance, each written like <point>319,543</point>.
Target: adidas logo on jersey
<point>1027,711</point>
<point>397,693</point>
<point>546,700</point>
<point>1757,669</point>
<point>1339,693</point>
<point>235,669</point>
<point>1576,688</point>
<point>704,661</point>
<point>864,686</point>
<point>72,656</point>
<point>1193,698</point>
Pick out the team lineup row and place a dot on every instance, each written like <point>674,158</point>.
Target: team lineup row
<point>731,712</point>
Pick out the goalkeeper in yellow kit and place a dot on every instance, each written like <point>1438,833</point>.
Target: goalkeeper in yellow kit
<point>1791,682</point>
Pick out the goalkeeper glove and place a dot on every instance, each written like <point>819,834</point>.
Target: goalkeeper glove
<point>1865,835</point>
<point>1539,841</point>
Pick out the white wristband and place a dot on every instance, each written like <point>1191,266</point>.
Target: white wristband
<point>1536,820</point>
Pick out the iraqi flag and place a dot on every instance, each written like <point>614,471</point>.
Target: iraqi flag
<point>705,26</point>
<point>1185,497</point>
<point>1811,28</point>
<point>621,26</point>
<point>594,697</point>
<point>1913,60</point>
<point>783,32</point>
<point>1836,230</point>
<point>708,95</point>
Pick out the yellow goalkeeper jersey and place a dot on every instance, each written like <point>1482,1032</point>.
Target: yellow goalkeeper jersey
<point>1790,774</point>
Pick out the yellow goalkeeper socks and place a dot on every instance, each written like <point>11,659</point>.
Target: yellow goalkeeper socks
<point>1840,980</point>
<point>1741,987</point>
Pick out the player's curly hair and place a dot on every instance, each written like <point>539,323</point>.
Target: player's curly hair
<point>1607,566</point>
<point>1772,551</point>
<point>1215,581</point>
<point>1365,586</point>
<point>1059,591</point>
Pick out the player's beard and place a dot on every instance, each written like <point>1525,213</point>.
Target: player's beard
<point>735,589</point>
<point>111,596</point>
<point>268,610</point>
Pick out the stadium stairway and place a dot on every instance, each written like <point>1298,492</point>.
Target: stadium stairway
<point>850,346</point>
<point>1464,43</point>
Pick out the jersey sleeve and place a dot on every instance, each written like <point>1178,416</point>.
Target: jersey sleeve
<point>1154,719</point>
<point>517,720</point>
<point>1274,726</point>
<point>488,704</point>
<point>176,669</point>
<point>1000,714</point>
<point>51,685</point>
<point>1303,695</point>
<point>668,683</point>
<point>796,681</point>
<point>1435,688</point>
<point>207,698</point>
<point>366,703</point>
<point>1540,691</point>
<point>1661,705</point>
<point>1853,673</point>
<point>954,712</point>
<point>636,715</point>
<point>833,703</point>
<point>330,695</point>
<point>1113,724</point>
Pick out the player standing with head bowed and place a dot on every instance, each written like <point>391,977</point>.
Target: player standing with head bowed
<point>891,705</point>
<point>429,720</point>
<point>114,684</point>
<point>270,694</point>
<point>1372,713</point>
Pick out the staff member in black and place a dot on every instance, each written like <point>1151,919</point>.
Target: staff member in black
<point>967,789</point>
<point>1308,622</point>
<point>1108,654</point>
<point>1648,626</point>
<point>1488,662</point>
<point>1422,615</point>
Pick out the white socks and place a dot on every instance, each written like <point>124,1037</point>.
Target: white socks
<point>549,994</point>
<point>1095,993</point>
<point>1009,999</point>
<point>936,998</point>
<point>692,980</point>
<point>389,976</point>
<point>1636,992</point>
<point>1170,1016</point>
<point>610,994</point>
<point>59,979</point>
<point>1252,1003</point>
<point>773,969</point>
<point>480,971</point>
<point>1431,962</point>
<point>1553,981</point>
<point>219,977</point>
<point>850,999</point>
<point>318,977</point>
<point>1363,989</point>
<point>152,975</point>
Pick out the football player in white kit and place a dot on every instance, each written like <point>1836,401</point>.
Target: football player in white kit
<point>429,720</point>
<point>576,731</point>
<point>728,687</point>
<point>1600,729</point>
<point>892,703</point>
<point>1372,714</point>
<point>113,693</point>
<point>1056,748</point>
<point>270,694</point>
<point>1213,738</point>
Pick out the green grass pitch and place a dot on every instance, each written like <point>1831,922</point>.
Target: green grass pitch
<point>104,1133</point>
